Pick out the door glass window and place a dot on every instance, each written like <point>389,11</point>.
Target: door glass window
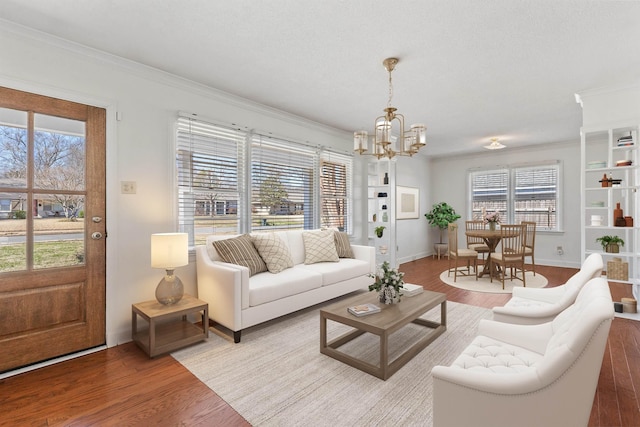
<point>42,191</point>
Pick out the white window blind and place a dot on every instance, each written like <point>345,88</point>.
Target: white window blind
<point>209,169</point>
<point>335,190</point>
<point>536,197</point>
<point>231,181</point>
<point>519,193</point>
<point>489,192</point>
<point>283,186</point>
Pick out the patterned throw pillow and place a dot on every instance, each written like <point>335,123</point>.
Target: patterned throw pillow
<point>240,251</point>
<point>343,246</point>
<point>273,251</point>
<point>319,246</point>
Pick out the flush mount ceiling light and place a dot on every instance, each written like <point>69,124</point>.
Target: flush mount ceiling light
<point>390,138</point>
<point>495,145</point>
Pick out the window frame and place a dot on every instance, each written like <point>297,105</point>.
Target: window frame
<point>246,139</point>
<point>509,214</point>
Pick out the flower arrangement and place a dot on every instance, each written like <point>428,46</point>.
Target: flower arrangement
<point>388,283</point>
<point>492,217</point>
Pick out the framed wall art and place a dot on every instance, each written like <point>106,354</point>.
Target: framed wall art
<point>407,202</point>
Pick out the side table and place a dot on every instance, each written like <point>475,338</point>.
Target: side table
<point>168,327</point>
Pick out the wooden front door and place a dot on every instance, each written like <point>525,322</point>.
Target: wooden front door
<point>52,228</point>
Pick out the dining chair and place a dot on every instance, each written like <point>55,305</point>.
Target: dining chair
<point>512,239</point>
<point>455,254</point>
<point>476,243</point>
<point>530,242</point>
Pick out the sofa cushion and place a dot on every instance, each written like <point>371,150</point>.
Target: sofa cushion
<point>267,287</point>
<point>333,273</point>
<point>319,246</point>
<point>273,251</point>
<point>240,250</point>
<point>343,246</point>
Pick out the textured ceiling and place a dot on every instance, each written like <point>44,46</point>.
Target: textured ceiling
<point>468,70</point>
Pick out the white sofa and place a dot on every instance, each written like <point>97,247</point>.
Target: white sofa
<point>238,301</point>
<point>528,375</point>
<point>530,306</point>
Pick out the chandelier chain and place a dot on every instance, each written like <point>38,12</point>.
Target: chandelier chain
<point>390,90</point>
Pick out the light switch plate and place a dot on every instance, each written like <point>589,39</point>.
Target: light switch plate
<point>128,187</point>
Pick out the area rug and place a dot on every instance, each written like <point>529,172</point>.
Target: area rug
<point>483,284</point>
<point>276,376</point>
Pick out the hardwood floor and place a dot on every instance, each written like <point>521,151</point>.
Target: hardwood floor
<point>122,386</point>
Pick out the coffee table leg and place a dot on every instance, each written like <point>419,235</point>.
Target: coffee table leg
<point>384,355</point>
<point>323,332</point>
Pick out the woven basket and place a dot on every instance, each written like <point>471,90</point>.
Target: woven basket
<point>617,270</point>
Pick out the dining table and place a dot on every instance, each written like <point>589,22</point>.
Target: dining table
<point>492,239</point>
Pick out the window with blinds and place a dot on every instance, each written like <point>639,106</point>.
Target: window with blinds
<point>230,181</point>
<point>335,190</point>
<point>282,184</point>
<point>489,192</point>
<point>528,193</point>
<point>209,169</point>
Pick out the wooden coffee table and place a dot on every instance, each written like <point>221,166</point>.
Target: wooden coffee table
<point>389,320</point>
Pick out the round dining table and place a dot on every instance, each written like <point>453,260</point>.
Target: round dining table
<point>491,238</point>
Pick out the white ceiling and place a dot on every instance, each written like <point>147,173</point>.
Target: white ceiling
<point>469,70</point>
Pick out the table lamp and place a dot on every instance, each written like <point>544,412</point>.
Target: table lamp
<point>168,251</point>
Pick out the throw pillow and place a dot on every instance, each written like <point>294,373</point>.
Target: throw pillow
<point>240,251</point>
<point>343,246</point>
<point>273,251</point>
<point>319,246</point>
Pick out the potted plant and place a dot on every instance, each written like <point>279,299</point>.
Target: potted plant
<point>441,216</point>
<point>379,230</point>
<point>611,244</point>
<point>388,283</point>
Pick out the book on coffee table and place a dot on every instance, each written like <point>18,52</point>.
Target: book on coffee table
<point>363,309</point>
<point>409,289</point>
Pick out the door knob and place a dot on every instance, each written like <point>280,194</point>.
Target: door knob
<point>96,219</point>
<point>96,235</point>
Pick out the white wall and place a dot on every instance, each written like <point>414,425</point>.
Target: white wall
<point>139,147</point>
<point>449,184</point>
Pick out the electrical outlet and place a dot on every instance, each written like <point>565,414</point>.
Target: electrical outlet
<point>128,187</point>
<point>560,250</point>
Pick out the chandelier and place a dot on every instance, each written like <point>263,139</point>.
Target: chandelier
<point>390,138</point>
<point>495,145</point>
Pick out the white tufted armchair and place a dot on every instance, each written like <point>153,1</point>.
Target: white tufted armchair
<point>528,375</point>
<point>530,306</point>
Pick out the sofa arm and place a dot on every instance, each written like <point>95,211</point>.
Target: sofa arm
<point>220,285</point>
<point>365,253</point>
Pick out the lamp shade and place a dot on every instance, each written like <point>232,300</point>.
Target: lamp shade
<point>169,250</point>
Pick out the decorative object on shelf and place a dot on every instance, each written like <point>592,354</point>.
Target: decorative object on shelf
<point>495,145</point>
<point>604,180</point>
<point>596,220</point>
<point>611,244</point>
<point>492,219</point>
<point>628,221</point>
<point>169,251</point>
<point>375,217</point>
<point>618,216</point>
<point>627,140</point>
<point>441,215</point>
<point>617,270</point>
<point>620,163</point>
<point>629,305</point>
<point>387,140</point>
<point>385,216</point>
<point>385,180</point>
<point>380,230</point>
<point>382,194</point>
<point>388,283</point>
<point>383,249</point>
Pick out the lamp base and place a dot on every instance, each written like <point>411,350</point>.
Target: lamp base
<point>170,289</point>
